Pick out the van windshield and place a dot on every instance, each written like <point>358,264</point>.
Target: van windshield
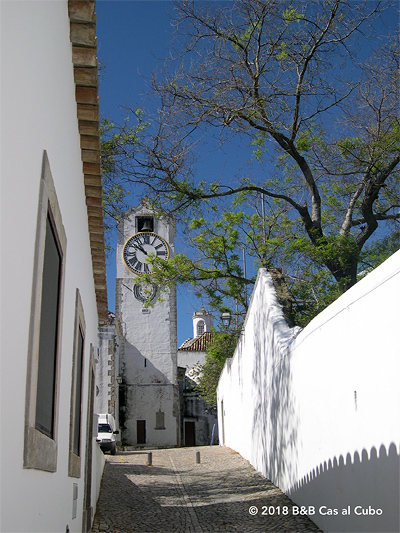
<point>104,428</point>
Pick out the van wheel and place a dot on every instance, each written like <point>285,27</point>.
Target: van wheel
<point>113,450</point>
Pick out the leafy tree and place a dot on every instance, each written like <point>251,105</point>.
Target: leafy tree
<point>222,347</point>
<point>292,79</point>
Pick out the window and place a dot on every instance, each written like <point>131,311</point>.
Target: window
<point>74,467</point>
<point>47,361</point>
<point>78,396</point>
<point>200,328</point>
<point>104,428</point>
<point>160,418</point>
<point>41,400</point>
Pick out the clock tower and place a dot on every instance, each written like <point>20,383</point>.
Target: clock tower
<point>149,396</point>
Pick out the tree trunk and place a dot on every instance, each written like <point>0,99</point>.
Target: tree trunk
<point>283,295</point>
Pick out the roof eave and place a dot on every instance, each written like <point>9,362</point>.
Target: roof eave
<point>82,18</point>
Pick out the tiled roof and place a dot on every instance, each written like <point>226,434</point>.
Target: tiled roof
<point>199,344</point>
<point>84,58</point>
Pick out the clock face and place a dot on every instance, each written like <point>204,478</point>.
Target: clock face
<point>140,247</point>
<point>144,293</point>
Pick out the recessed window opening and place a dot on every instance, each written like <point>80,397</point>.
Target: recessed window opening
<point>200,328</point>
<point>75,439</point>
<point>48,336</point>
<point>78,395</point>
<point>160,420</point>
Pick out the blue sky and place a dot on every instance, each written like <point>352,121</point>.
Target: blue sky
<point>133,36</point>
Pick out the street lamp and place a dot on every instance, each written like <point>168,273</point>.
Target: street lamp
<point>226,319</point>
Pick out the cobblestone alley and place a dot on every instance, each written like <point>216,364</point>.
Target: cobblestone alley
<point>176,494</point>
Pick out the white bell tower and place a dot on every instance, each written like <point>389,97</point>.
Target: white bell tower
<point>202,322</point>
<point>149,396</point>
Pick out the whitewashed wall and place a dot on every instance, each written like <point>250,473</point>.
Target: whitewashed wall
<point>190,360</point>
<point>38,112</point>
<point>318,409</point>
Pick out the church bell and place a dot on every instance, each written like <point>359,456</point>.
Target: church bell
<point>147,225</point>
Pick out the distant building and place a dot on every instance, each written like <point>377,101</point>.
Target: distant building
<point>108,369</point>
<point>198,420</point>
<point>193,351</point>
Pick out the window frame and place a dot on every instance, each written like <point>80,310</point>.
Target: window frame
<point>78,365</point>
<point>200,329</point>
<point>40,450</point>
<point>160,420</point>
<point>48,346</point>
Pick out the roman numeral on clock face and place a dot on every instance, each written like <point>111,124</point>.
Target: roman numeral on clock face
<point>136,265</point>
<point>137,239</point>
<point>130,255</point>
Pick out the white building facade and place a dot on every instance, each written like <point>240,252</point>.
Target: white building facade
<point>53,267</point>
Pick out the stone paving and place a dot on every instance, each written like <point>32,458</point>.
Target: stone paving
<point>176,494</point>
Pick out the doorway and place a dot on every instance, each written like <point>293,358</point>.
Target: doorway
<point>141,431</point>
<point>190,434</point>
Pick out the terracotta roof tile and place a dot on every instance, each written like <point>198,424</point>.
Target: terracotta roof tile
<point>199,344</point>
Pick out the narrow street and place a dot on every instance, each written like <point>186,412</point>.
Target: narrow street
<point>176,494</point>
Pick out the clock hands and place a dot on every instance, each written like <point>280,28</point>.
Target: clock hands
<point>141,249</point>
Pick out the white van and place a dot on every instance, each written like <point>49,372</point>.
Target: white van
<point>106,433</point>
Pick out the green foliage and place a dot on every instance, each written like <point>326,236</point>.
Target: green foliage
<point>222,347</point>
<point>308,139</point>
<point>338,248</point>
<point>376,253</point>
<point>241,41</point>
<point>283,52</point>
<point>348,146</point>
<point>259,142</point>
<point>312,294</point>
<point>292,15</point>
<point>216,269</point>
